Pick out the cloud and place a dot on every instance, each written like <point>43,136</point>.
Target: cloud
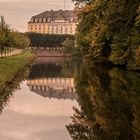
<point>17,126</point>
<point>32,117</point>
<point>18,12</point>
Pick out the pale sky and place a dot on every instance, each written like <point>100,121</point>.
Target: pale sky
<point>29,116</point>
<point>18,12</point>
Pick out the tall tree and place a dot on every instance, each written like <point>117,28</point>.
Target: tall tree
<point>106,29</point>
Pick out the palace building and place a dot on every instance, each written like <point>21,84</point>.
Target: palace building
<point>54,22</point>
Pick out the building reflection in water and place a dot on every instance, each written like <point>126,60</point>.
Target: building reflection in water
<point>53,79</point>
<point>53,87</point>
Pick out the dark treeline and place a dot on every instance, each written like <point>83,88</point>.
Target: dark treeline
<point>65,68</point>
<point>47,40</point>
<point>109,31</point>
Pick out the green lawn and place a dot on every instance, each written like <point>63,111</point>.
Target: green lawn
<point>10,66</point>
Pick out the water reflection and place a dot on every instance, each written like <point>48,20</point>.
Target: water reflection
<point>60,88</point>
<point>53,79</point>
<point>30,116</point>
<point>109,102</point>
<point>108,98</point>
<point>7,89</point>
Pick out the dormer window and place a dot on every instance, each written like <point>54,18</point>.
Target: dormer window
<point>44,19</point>
<point>36,19</point>
<point>49,19</point>
<point>40,19</point>
<point>32,20</point>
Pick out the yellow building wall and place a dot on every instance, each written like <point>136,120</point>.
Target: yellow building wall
<point>53,28</point>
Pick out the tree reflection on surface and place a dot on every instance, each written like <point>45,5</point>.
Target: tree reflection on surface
<point>6,91</point>
<point>109,101</point>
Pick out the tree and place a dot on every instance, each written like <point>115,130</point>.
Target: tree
<point>108,104</point>
<point>107,31</point>
<point>4,34</point>
<point>20,40</point>
<point>47,40</point>
<point>69,47</point>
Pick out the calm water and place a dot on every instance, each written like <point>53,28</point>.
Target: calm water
<point>65,100</point>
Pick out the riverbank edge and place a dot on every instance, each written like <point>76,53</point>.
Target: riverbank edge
<point>10,66</point>
<point>109,64</point>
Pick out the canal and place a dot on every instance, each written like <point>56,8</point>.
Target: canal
<point>63,99</point>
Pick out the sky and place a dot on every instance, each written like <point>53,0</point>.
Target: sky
<point>18,12</point>
<point>29,116</point>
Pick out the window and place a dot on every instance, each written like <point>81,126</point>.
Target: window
<point>36,20</point>
<point>32,20</point>
<point>44,19</point>
<point>48,19</point>
<point>40,19</point>
<point>66,30</point>
<point>52,29</point>
<point>56,29</point>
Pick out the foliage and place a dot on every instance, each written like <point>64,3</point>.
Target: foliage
<point>6,92</point>
<point>109,31</point>
<point>47,40</point>
<point>69,47</point>
<point>61,69</point>
<point>10,38</point>
<point>108,104</point>
<point>20,40</point>
<point>11,65</point>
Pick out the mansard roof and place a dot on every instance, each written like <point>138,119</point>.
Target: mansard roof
<point>56,15</point>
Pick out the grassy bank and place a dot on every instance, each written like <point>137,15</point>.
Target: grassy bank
<point>10,66</point>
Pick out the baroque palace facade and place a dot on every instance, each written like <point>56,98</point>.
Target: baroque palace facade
<point>54,22</point>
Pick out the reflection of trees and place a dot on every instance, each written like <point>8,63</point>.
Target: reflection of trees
<point>7,89</point>
<point>61,69</point>
<point>109,105</point>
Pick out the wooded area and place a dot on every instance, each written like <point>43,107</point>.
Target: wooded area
<point>47,40</point>
<point>109,31</point>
